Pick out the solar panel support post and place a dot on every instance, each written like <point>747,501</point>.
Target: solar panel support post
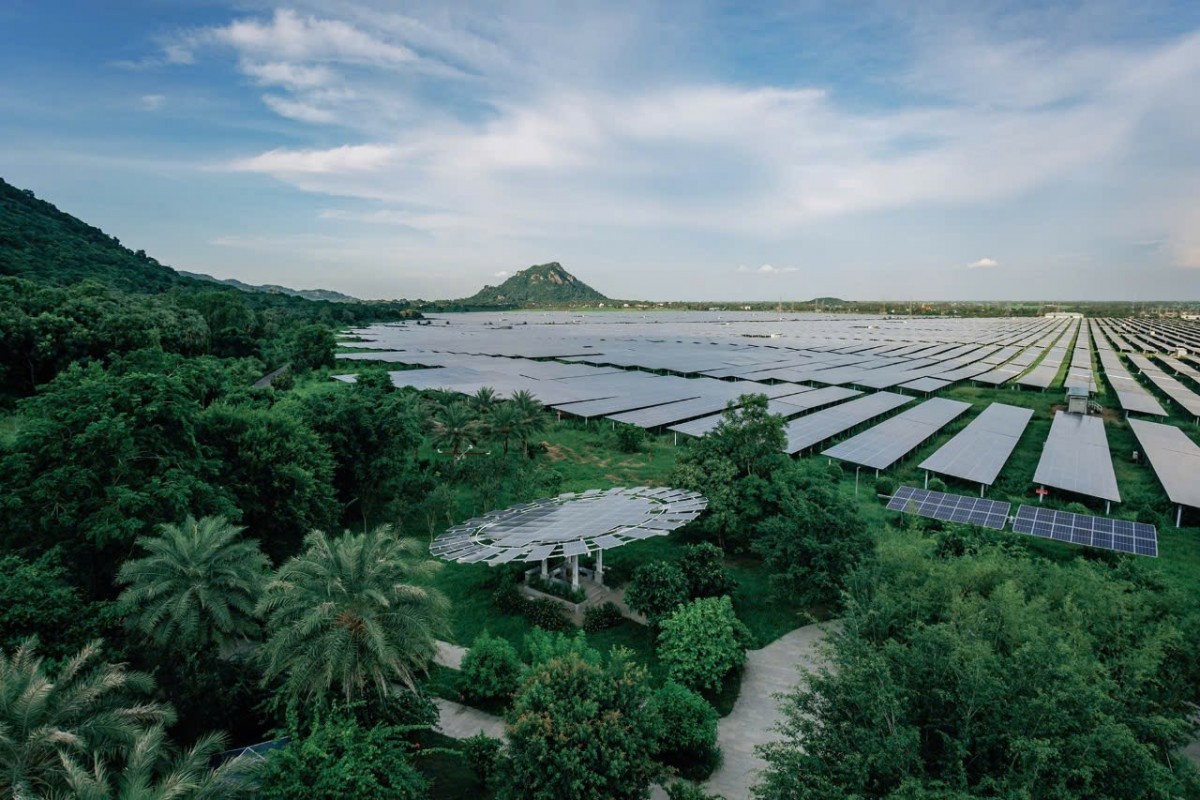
<point>574,572</point>
<point>545,568</point>
<point>1107,506</point>
<point>599,572</point>
<point>926,479</point>
<point>1179,517</point>
<point>856,470</point>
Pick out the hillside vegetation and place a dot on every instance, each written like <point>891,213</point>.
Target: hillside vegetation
<point>539,285</point>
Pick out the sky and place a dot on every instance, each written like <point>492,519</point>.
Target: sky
<point>675,150</point>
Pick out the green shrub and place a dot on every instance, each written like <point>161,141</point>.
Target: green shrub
<point>703,567</point>
<point>702,642</point>
<point>886,486</point>
<point>629,438</point>
<point>546,614</point>
<point>657,588</point>
<point>490,671</point>
<point>508,598</point>
<point>680,790</point>
<point>937,485</point>
<point>557,588</point>
<point>687,731</point>
<point>483,754</point>
<point>598,618</point>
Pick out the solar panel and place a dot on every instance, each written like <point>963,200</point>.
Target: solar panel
<point>1106,533</point>
<point>950,507</point>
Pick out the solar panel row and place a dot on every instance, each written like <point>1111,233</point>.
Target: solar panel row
<point>950,507</point>
<point>1108,534</point>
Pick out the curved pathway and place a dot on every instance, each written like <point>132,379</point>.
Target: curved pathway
<point>773,669</point>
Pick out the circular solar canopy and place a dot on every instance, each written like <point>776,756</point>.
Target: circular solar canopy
<point>569,525</point>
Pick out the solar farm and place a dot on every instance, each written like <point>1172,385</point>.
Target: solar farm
<point>1046,412</point>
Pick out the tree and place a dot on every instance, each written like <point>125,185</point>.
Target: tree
<point>371,430</point>
<point>454,429</point>
<point>276,467</point>
<point>349,615</point>
<point>687,731</point>
<point>580,727</point>
<point>817,540</point>
<point>484,400</point>
<point>997,674</point>
<point>152,773</point>
<point>532,413</point>
<point>505,422</point>
<point>311,346</point>
<point>749,436</point>
<point>86,709</point>
<point>703,567</point>
<point>656,589</point>
<point>196,587</point>
<point>490,671</point>
<point>702,642</point>
<point>338,759</point>
<point>36,600</point>
<point>99,454</point>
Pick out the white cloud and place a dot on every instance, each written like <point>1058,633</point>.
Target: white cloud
<point>502,274</point>
<point>336,161</point>
<point>151,102</point>
<point>289,75</point>
<point>766,269</point>
<point>983,263</point>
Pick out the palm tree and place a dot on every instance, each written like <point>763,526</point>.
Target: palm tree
<point>344,616</point>
<point>149,773</point>
<point>484,399</point>
<point>83,711</point>
<point>505,422</point>
<point>197,587</point>
<point>531,410</point>
<point>454,429</point>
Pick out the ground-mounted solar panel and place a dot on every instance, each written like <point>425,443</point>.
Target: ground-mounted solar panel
<point>950,507</point>
<point>1135,538</point>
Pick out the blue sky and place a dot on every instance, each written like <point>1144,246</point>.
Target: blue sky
<point>676,150</point>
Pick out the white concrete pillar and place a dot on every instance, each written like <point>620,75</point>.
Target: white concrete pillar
<point>545,568</point>
<point>600,567</point>
<point>574,572</point>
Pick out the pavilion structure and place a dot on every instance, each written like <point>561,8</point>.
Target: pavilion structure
<point>568,527</point>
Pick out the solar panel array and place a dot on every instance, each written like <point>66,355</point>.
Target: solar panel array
<point>815,428</point>
<point>1102,532</point>
<point>1175,458</point>
<point>1076,458</point>
<point>980,450</point>
<point>569,525</point>
<point>950,507</point>
<point>886,443</point>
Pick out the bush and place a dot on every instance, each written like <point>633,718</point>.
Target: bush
<point>629,438</point>
<point>598,618</point>
<point>937,485</point>
<point>657,588</point>
<point>482,753</point>
<point>703,567</point>
<point>557,588</point>
<point>702,642</point>
<point>546,614</point>
<point>687,731</point>
<point>886,486</point>
<point>679,790</point>
<point>491,671</point>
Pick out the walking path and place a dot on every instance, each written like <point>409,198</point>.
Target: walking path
<point>773,669</point>
<point>449,655</point>
<point>462,722</point>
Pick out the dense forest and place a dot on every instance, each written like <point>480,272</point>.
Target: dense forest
<point>194,559</point>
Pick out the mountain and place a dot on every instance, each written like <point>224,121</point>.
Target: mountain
<point>271,288</point>
<point>40,243</point>
<point>536,286</point>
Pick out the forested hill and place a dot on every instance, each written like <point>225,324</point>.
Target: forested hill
<point>71,294</point>
<point>274,288</point>
<point>538,286</point>
<point>40,243</point>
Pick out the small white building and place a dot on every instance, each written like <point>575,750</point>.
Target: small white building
<point>1078,399</point>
